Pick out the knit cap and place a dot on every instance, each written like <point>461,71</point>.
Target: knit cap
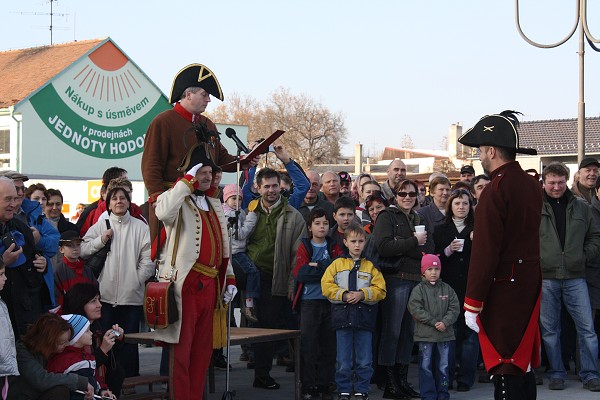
<point>430,260</point>
<point>231,190</point>
<point>80,325</point>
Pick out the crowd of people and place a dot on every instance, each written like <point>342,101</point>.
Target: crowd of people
<point>373,274</point>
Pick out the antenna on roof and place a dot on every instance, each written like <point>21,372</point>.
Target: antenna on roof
<point>52,14</point>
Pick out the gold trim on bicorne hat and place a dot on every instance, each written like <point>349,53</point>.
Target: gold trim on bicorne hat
<point>197,154</point>
<point>195,75</point>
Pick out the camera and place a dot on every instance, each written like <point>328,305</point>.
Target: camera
<point>116,333</point>
<point>8,239</point>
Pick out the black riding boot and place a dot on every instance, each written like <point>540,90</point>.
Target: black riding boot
<point>392,390</point>
<point>401,373</point>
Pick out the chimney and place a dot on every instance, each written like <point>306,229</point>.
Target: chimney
<point>357,159</point>
<point>454,148</point>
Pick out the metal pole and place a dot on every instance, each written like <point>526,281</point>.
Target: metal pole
<point>584,33</point>
<point>581,103</point>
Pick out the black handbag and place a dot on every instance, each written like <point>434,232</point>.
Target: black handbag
<point>97,260</point>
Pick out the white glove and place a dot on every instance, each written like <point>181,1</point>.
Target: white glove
<point>229,294</point>
<point>194,169</point>
<point>471,321</point>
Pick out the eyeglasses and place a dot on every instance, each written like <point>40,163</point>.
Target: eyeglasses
<point>404,194</point>
<point>20,189</point>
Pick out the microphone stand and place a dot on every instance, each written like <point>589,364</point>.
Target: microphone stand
<point>233,231</point>
<point>232,224</point>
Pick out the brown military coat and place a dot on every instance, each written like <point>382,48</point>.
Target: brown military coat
<point>168,139</point>
<point>504,282</point>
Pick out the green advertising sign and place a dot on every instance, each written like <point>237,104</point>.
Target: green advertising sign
<point>93,139</point>
<point>101,105</point>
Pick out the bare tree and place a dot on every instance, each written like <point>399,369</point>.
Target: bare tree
<point>314,135</point>
<point>444,143</point>
<point>407,142</point>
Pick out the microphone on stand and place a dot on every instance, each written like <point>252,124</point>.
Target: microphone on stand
<point>230,132</point>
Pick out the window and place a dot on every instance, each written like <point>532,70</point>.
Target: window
<point>4,141</point>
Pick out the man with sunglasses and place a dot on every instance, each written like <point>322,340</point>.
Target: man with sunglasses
<point>502,299</point>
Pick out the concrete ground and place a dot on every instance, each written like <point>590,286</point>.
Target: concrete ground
<point>242,378</point>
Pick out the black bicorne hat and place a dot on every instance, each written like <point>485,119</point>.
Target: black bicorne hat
<point>199,153</point>
<point>195,75</point>
<point>499,130</point>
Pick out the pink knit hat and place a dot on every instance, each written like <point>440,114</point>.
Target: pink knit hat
<point>430,260</point>
<point>230,190</point>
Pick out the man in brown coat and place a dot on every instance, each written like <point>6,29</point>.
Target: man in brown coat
<point>502,300</point>
<point>173,132</point>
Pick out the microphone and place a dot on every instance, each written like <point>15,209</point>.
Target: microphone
<point>240,145</point>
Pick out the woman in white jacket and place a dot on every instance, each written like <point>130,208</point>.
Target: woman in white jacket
<point>127,267</point>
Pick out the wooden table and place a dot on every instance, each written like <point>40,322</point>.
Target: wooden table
<point>241,336</point>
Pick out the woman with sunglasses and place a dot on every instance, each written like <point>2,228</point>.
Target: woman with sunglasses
<point>453,243</point>
<point>400,250</point>
<point>439,188</point>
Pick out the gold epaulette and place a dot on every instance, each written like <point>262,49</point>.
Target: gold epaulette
<point>253,204</point>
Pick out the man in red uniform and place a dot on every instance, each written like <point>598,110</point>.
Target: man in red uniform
<point>173,133</point>
<point>196,257</point>
<point>502,300</point>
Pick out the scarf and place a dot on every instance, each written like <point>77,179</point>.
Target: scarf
<point>76,266</point>
<point>459,223</point>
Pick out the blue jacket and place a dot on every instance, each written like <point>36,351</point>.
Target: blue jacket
<point>301,186</point>
<point>49,238</point>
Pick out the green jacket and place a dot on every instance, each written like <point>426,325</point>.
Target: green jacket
<point>429,304</point>
<point>290,227</point>
<point>582,240</point>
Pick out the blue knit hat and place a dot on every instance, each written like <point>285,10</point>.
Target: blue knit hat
<point>80,325</point>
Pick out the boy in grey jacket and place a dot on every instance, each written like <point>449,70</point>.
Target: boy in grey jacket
<point>434,306</point>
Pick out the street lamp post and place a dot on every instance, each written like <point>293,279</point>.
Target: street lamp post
<point>584,33</point>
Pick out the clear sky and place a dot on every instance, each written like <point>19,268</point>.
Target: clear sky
<point>393,68</point>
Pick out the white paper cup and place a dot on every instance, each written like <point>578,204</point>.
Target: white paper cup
<point>420,228</point>
<point>462,244</point>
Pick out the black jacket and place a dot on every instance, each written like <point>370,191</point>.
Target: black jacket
<point>398,248</point>
<point>455,269</point>
<point>25,290</point>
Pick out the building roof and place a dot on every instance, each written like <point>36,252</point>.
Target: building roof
<point>24,71</point>
<point>390,153</point>
<point>555,137</point>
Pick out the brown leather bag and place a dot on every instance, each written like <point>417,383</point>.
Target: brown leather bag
<point>160,306</point>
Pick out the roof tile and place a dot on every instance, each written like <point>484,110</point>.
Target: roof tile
<point>24,71</point>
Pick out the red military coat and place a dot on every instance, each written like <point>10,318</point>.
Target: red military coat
<point>505,281</point>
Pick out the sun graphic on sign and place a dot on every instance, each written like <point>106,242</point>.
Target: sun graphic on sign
<point>105,77</point>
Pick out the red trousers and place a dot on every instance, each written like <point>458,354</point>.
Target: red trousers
<point>190,357</point>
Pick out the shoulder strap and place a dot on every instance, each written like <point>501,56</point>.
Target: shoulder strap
<point>177,233</point>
